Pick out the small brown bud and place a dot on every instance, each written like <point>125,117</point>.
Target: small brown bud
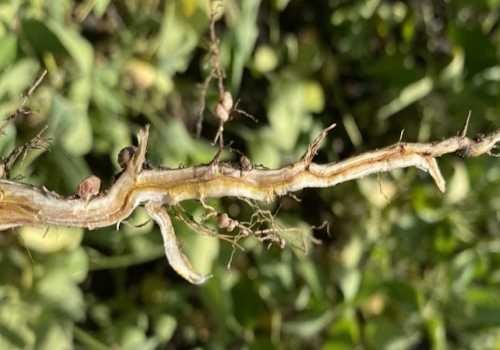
<point>89,187</point>
<point>225,222</point>
<point>125,155</point>
<point>221,112</point>
<point>227,101</point>
<point>232,225</point>
<point>245,163</point>
<point>224,107</point>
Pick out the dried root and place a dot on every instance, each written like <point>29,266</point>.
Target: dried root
<point>175,257</point>
<point>313,148</point>
<point>226,108</point>
<point>23,110</point>
<point>38,142</point>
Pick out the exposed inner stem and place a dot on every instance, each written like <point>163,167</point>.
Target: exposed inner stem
<point>22,204</point>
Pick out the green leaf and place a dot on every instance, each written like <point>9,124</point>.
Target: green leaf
<point>53,335</point>
<point>101,7</point>
<point>459,185</point>
<point>262,149</point>
<point>473,40</point>
<point>249,312</point>
<point>336,345</point>
<point>165,327</point>
<point>17,78</point>
<point>287,112</point>
<point>15,330</point>
<point>408,95</point>
<point>134,338</point>
<point>281,4</point>
<point>437,330</point>
<point>427,209</point>
<point>346,328</point>
<point>378,191</point>
<point>8,50</point>
<point>352,252</point>
<point>180,144</point>
<point>8,139</point>
<point>245,35</point>
<point>50,239</point>
<point>58,292</point>
<point>314,99</point>
<point>454,70</point>
<point>74,264</point>
<point>384,333</point>
<point>265,59</point>
<point>309,327</point>
<point>111,136</point>
<point>105,89</point>
<point>70,123</point>
<point>350,281</point>
<point>41,38</point>
<point>138,223</point>
<point>79,48</point>
<point>176,42</point>
<point>87,340</point>
<point>312,276</point>
<point>402,294</point>
<point>77,139</point>
<point>202,251</point>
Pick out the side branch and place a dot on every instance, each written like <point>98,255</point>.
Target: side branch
<point>22,204</point>
<point>174,255</point>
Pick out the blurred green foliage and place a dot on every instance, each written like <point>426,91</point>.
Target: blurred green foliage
<point>404,267</point>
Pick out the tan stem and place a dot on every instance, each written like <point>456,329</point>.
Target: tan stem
<point>22,204</point>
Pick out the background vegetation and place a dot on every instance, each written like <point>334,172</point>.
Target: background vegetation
<point>403,267</point>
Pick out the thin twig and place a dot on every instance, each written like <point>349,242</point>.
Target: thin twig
<point>21,110</point>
